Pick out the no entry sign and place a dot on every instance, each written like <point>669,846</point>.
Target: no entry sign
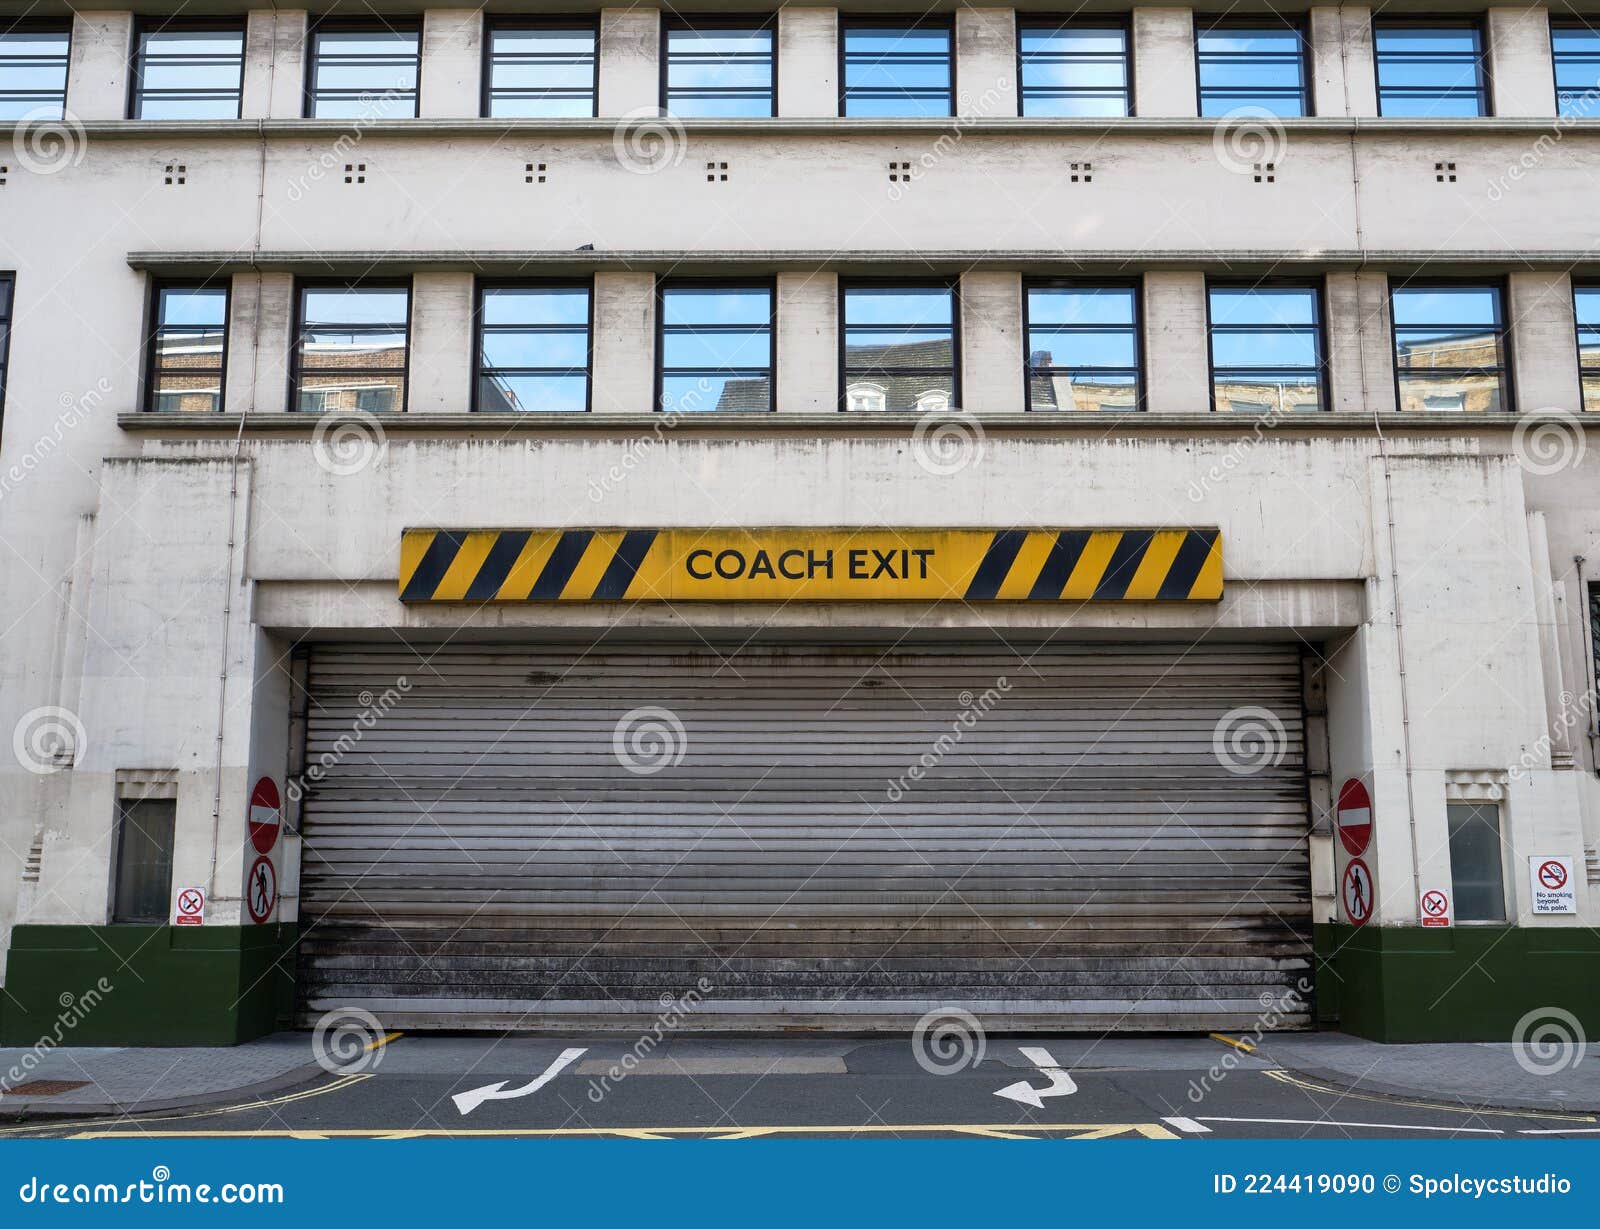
<point>1355,816</point>
<point>1356,892</point>
<point>266,815</point>
<point>261,890</point>
<point>1435,907</point>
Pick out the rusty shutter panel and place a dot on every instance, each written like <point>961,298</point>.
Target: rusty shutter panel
<point>840,836</point>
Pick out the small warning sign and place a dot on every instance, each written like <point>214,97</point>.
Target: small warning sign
<point>261,890</point>
<point>1550,881</point>
<point>190,907</point>
<point>1435,908</point>
<point>1356,892</point>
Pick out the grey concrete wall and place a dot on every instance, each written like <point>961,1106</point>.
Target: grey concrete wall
<point>992,344</point>
<point>630,61</point>
<point>1343,71</point>
<point>808,61</point>
<point>624,343</point>
<point>1521,70</point>
<point>1544,351</point>
<point>1164,80</point>
<point>452,64</point>
<point>274,67</point>
<point>808,343</point>
<point>441,367</point>
<point>1176,347</point>
<point>97,67</point>
<point>986,62</point>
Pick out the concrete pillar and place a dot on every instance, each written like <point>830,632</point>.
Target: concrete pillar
<point>1177,360</point>
<point>1163,63</point>
<point>1343,71</point>
<point>1544,343</point>
<point>1377,343</point>
<point>260,317</point>
<point>274,65</point>
<point>452,64</point>
<point>991,343</point>
<point>986,62</point>
<point>624,377</point>
<point>630,61</point>
<point>1522,78</point>
<point>441,344</point>
<point>1342,328</point>
<point>97,67</point>
<point>808,343</point>
<point>808,62</point>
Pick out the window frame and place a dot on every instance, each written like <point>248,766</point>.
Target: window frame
<point>673,20</point>
<point>495,22</point>
<point>1567,23</point>
<point>1085,21</point>
<point>869,21</point>
<point>1577,285</point>
<point>1502,288</point>
<point>42,25</point>
<point>1299,27</point>
<point>481,284</point>
<point>1134,284</point>
<point>1319,292</point>
<point>160,25</point>
<point>950,282</point>
<point>769,283</point>
<point>152,332</point>
<point>114,915</point>
<point>9,316</point>
<point>353,25</point>
<point>302,284</point>
<point>1508,904</point>
<point>1477,23</point>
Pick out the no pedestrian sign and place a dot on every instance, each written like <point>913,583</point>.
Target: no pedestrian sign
<point>1550,881</point>
<point>1356,892</point>
<point>261,890</point>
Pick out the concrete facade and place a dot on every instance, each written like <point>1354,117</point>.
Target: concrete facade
<point>160,569</point>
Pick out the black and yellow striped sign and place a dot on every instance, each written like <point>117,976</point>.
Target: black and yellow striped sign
<point>685,565</point>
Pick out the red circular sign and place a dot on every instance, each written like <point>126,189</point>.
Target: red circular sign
<point>261,890</point>
<point>1354,816</point>
<point>1356,892</point>
<point>266,815</point>
<point>1553,875</point>
<point>1435,903</point>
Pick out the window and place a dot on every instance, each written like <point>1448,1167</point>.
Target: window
<point>1577,57</point>
<point>1430,69</point>
<point>1586,307</point>
<point>143,885</point>
<point>899,347</point>
<point>718,69</point>
<point>351,350</point>
<point>184,71</point>
<point>542,70</point>
<point>363,71</point>
<point>533,348</point>
<point>1450,348</point>
<point>1266,347</point>
<point>716,347</point>
<point>1252,66</point>
<point>896,69</point>
<point>1074,69</point>
<point>187,347</point>
<point>33,72</point>
<point>1083,347</point>
<point>1476,866</point>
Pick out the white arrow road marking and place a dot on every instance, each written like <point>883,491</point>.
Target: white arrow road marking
<point>1060,1084</point>
<point>468,1101</point>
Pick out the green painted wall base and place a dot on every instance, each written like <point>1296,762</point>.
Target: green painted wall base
<point>147,985</point>
<point>1464,983</point>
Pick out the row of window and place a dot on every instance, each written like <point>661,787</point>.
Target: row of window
<point>899,348</point>
<point>726,67</point>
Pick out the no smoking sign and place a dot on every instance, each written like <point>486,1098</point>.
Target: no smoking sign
<point>1435,907</point>
<point>1550,884</point>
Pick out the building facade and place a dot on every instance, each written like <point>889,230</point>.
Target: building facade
<point>799,516</point>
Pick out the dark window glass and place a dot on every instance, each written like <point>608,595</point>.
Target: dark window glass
<point>896,70</point>
<point>1586,307</point>
<point>899,348</point>
<point>33,73</point>
<point>1083,348</point>
<point>144,860</point>
<point>1430,70</point>
<point>1449,347</point>
<point>533,348</point>
<point>193,73</point>
<point>364,73</point>
<point>716,348</point>
<point>351,352</point>
<point>542,71</point>
<point>5,335</point>
<point>1476,867</point>
<point>186,348</point>
<point>1254,68</point>
<point>1577,56</point>
<point>1074,70</point>
<point>719,71</point>
<point>1266,348</point>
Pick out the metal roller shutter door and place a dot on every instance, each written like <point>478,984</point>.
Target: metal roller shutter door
<point>479,854</point>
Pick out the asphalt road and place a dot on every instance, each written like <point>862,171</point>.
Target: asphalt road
<point>1178,1088</point>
